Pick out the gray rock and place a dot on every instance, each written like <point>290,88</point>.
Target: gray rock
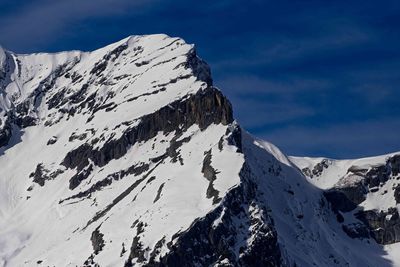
<point>384,226</point>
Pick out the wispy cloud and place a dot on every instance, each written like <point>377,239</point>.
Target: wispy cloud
<point>278,49</point>
<point>41,21</point>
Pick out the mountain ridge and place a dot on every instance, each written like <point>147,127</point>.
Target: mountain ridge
<point>129,156</point>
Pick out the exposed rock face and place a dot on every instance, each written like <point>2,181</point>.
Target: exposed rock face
<point>384,226</point>
<point>352,190</point>
<point>137,250</point>
<point>23,116</point>
<point>204,108</point>
<point>80,176</point>
<point>97,240</point>
<point>52,140</point>
<point>41,174</point>
<point>318,169</point>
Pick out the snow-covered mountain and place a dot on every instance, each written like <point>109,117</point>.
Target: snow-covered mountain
<point>129,156</point>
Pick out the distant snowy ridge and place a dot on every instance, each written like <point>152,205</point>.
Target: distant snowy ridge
<point>129,156</point>
<point>367,188</point>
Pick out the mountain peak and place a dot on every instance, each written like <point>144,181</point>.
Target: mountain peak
<point>129,156</point>
<point>112,119</point>
<point>137,68</point>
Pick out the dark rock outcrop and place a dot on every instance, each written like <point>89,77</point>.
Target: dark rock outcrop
<point>97,240</point>
<point>22,115</point>
<point>137,250</point>
<point>52,140</point>
<point>41,174</point>
<point>318,169</point>
<point>377,176</point>
<point>80,176</point>
<point>100,66</point>
<point>234,134</point>
<point>384,226</point>
<point>204,108</point>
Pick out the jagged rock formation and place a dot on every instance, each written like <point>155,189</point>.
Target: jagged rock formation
<point>129,156</point>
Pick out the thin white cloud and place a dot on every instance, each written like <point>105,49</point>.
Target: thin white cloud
<point>40,21</point>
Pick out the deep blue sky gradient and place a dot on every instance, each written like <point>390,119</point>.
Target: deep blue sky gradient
<point>313,77</point>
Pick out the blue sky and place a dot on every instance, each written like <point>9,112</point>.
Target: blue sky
<point>313,77</point>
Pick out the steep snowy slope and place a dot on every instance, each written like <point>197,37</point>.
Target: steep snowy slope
<point>129,156</point>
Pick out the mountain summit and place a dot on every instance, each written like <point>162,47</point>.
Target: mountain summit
<point>129,156</point>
